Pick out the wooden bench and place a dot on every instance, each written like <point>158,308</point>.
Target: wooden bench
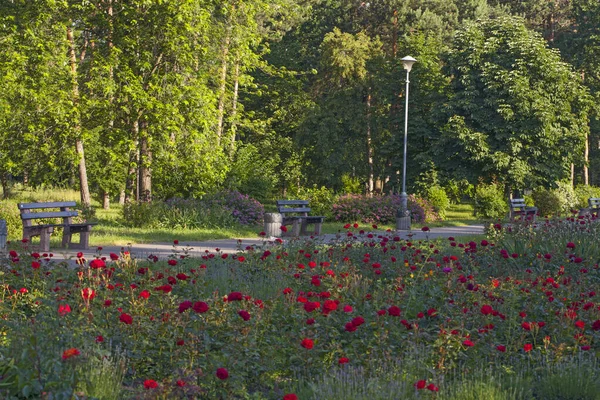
<point>518,207</point>
<point>300,220</point>
<point>37,211</point>
<point>594,205</point>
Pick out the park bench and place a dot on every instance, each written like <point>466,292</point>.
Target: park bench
<point>519,208</point>
<point>31,212</point>
<point>594,205</point>
<point>295,213</point>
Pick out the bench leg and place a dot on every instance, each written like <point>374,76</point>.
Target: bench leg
<point>66,239</point>
<point>45,239</point>
<point>304,227</point>
<point>296,226</point>
<point>318,228</point>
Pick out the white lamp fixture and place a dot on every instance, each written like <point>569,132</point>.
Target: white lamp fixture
<point>408,62</point>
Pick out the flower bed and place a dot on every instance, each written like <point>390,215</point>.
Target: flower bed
<point>372,316</point>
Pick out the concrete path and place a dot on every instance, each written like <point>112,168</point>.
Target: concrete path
<point>198,249</point>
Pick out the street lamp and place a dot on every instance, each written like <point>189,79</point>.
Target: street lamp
<point>404,218</point>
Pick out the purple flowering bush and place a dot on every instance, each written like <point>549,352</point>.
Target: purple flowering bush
<point>243,208</point>
<point>380,209</point>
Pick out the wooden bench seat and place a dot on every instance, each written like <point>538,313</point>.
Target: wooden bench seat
<point>594,205</point>
<point>295,213</point>
<point>519,208</point>
<point>37,212</point>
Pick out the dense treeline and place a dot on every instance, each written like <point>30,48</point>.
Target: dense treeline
<point>144,99</point>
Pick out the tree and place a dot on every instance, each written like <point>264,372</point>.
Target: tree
<point>518,114</point>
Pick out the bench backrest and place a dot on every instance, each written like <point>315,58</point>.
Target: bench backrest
<point>594,202</point>
<point>293,206</point>
<point>517,203</point>
<point>27,215</point>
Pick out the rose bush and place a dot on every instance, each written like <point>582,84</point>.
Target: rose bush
<point>306,319</point>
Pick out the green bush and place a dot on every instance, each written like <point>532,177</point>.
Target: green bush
<point>10,212</point>
<point>458,191</point>
<point>560,200</point>
<point>351,185</point>
<point>583,193</point>
<point>381,209</point>
<point>490,202</point>
<point>439,200</point>
<point>142,215</point>
<point>320,199</point>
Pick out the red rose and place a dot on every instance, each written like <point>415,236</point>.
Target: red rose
<point>343,360</point>
<point>184,306</point>
<point>421,384</point>
<point>486,309</point>
<point>35,265</point>
<point>172,262</point>
<point>283,228</point>
<point>290,396</point>
<point>527,347</point>
<point>88,293</point>
<point>144,294</point>
<point>150,384</point>
<point>501,348</point>
<point>394,311</point>
<point>97,264</point>
<point>468,343</point>
<point>311,306</point>
<point>350,327</point>
<point>244,314</point>
<point>433,388</point>
<point>126,319</point>
<point>358,321</point>
<point>329,306</point>
<point>222,374</point>
<point>307,343</point>
<point>200,307</point>
<point>235,296</point>
<point>114,256</point>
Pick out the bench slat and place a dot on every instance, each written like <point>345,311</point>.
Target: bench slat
<point>31,206</point>
<point>294,210</point>
<point>292,202</point>
<point>56,214</point>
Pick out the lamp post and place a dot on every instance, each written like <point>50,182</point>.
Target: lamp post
<point>403,221</point>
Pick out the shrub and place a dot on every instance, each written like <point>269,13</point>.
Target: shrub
<point>459,190</point>
<point>439,200</point>
<point>555,201</point>
<point>220,210</point>
<point>10,212</point>
<point>583,193</point>
<point>320,199</point>
<point>380,209</point>
<point>244,209</point>
<point>490,202</point>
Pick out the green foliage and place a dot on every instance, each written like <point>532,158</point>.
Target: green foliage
<point>351,185</point>
<point>10,212</point>
<point>253,173</point>
<point>439,200</point>
<point>459,190</point>
<point>555,201</point>
<point>518,113</point>
<point>490,201</point>
<point>321,199</point>
<point>583,193</point>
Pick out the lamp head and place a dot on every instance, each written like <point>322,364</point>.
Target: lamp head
<point>408,62</point>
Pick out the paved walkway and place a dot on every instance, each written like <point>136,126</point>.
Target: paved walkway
<point>197,249</point>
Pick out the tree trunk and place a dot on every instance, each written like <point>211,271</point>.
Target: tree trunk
<point>371,180</point>
<point>105,201</point>
<point>586,161</point>
<point>6,185</point>
<point>223,84</point>
<point>572,175</point>
<point>131,183</point>
<point>83,181</point>
<point>145,192</point>
<point>122,197</point>
<point>236,85</point>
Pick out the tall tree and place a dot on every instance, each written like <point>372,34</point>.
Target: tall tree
<point>518,113</point>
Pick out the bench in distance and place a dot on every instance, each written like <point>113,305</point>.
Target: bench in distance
<point>38,211</point>
<point>295,213</point>
<point>518,207</point>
